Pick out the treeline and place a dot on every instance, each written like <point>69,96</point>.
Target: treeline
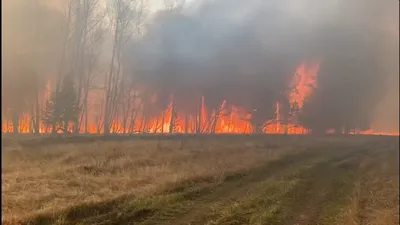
<point>115,67</point>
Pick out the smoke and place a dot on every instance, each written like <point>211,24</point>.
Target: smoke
<point>241,52</point>
<point>30,50</point>
<point>246,52</point>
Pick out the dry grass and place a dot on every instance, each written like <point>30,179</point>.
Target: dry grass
<point>380,192</point>
<point>375,196</point>
<point>50,178</point>
<point>356,179</point>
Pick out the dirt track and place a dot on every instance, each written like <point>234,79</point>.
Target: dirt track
<point>303,189</point>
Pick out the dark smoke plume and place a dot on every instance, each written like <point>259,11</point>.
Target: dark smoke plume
<point>245,52</point>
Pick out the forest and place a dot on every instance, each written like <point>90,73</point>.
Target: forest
<point>223,66</point>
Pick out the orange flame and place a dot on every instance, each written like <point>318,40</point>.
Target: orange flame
<point>229,119</point>
<point>304,81</point>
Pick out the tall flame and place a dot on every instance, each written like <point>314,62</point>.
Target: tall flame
<point>304,81</point>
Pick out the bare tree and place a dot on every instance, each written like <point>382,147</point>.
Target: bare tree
<point>122,15</point>
<point>86,42</point>
<point>174,5</point>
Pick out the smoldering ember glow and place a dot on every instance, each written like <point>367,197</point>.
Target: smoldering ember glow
<point>294,67</point>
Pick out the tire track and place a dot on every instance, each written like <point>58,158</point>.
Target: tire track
<point>236,187</point>
<point>379,200</point>
<point>313,167</point>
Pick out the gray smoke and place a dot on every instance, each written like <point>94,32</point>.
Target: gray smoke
<point>247,51</point>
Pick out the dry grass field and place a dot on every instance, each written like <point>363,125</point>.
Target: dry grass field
<point>271,180</point>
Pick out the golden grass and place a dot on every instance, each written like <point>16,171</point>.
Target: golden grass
<point>375,197</point>
<point>46,179</point>
<point>380,194</point>
<point>50,178</point>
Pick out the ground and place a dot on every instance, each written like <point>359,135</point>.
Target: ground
<point>265,180</point>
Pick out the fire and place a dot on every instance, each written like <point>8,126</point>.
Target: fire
<point>304,81</point>
<point>371,132</point>
<point>227,119</point>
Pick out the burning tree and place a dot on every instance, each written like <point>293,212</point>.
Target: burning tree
<point>183,73</point>
<point>62,110</point>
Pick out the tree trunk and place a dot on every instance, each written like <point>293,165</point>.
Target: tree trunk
<point>66,126</point>
<point>144,117</point>
<point>257,128</point>
<point>85,109</point>
<point>108,87</point>
<point>172,121</point>
<point>186,123</point>
<point>199,115</point>
<point>37,123</point>
<point>81,22</point>
<point>15,121</point>
<point>134,114</point>
<point>162,122</point>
